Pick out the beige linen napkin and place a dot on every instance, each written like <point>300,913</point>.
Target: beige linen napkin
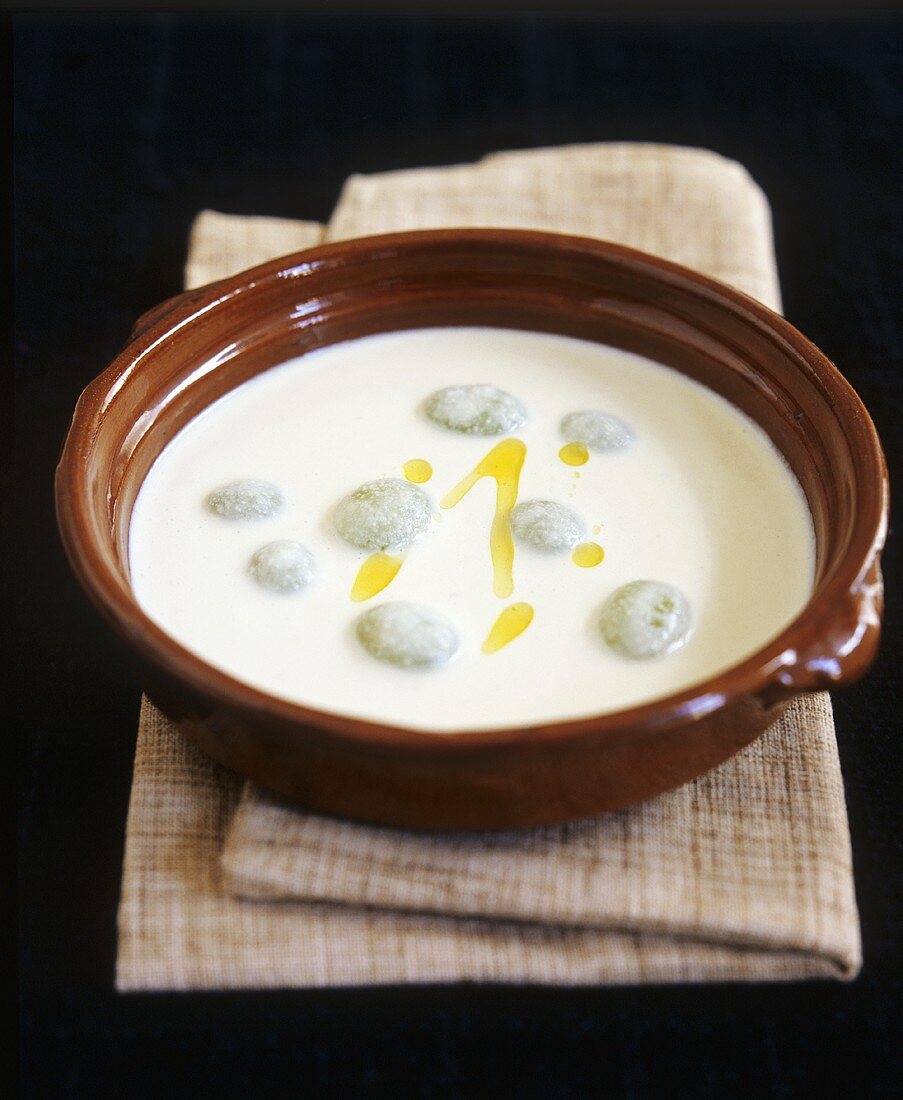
<point>744,874</point>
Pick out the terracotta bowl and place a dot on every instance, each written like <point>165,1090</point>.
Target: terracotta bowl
<point>191,350</point>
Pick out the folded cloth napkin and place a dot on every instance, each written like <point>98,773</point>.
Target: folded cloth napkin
<point>744,874</point>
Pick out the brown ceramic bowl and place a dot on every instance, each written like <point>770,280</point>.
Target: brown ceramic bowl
<point>193,349</point>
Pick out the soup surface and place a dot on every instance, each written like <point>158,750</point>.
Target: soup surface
<point>700,500</point>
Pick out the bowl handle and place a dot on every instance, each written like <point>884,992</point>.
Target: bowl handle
<point>843,652</point>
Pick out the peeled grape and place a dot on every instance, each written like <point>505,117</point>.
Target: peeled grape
<point>599,431</point>
<point>546,525</point>
<point>408,635</point>
<point>388,514</point>
<point>476,410</point>
<point>645,619</point>
<point>283,566</point>
<point>248,499</point>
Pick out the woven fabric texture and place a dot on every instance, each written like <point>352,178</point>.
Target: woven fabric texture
<point>744,874</point>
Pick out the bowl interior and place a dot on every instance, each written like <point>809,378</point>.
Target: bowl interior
<point>219,337</point>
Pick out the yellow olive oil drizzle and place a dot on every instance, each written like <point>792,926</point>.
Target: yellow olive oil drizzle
<point>587,554</point>
<point>510,624</point>
<point>417,470</point>
<point>375,574</point>
<point>503,463</point>
<point>574,454</point>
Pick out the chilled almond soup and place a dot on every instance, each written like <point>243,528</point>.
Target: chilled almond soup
<point>455,529</point>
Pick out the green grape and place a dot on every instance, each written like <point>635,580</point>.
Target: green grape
<point>475,410</point>
<point>248,499</point>
<point>283,566</point>
<point>599,431</point>
<point>408,635</point>
<point>546,525</point>
<point>388,514</point>
<point>645,619</point>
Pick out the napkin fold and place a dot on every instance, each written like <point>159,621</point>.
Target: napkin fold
<point>744,874</point>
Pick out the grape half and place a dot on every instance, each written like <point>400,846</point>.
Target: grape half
<point>283,566</point>
<point>600,431</point>
<point>546,525</point>
<point>408,635</point>
<point>248,499</point>
<point>476,410</point>
<point>388,514</point>
<point>645,619</point>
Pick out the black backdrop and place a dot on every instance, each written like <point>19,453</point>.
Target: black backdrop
<point>125,127</point>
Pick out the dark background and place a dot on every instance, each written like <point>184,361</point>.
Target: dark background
<point>125,127</point>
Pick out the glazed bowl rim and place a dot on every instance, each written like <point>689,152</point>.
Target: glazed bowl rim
<point>776,664</point>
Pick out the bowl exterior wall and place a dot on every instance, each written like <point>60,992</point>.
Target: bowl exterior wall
<point>187,353</point>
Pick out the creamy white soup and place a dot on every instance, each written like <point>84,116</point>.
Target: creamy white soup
<point>513,577</point>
